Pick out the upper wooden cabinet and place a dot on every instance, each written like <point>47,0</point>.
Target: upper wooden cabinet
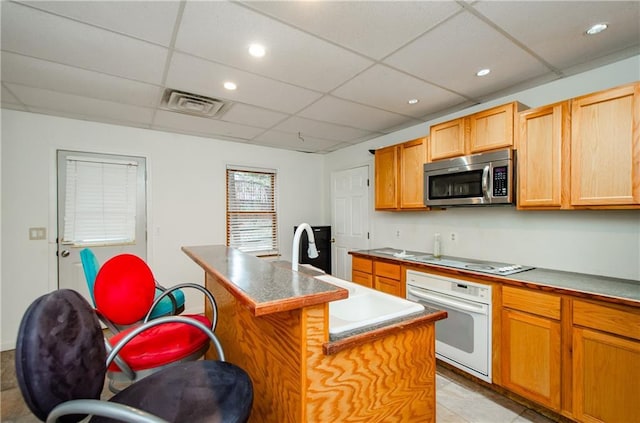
<point>581,153</point>
<point>490,129</point>
<point>399,176</point>
<point>543,156</point>
<point>413,156</point>
<point>447,139</point>
<point>386,178</point>
<point>605,148</point>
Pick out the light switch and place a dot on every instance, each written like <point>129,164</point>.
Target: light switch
<point>37,234</point>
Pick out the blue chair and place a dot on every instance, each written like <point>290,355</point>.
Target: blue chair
<point>171,304</point>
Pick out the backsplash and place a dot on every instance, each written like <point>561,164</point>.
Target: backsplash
<point>603,243</point>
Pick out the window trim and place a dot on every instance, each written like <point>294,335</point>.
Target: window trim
<point>273,212</point>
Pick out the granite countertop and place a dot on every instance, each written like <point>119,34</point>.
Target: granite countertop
<point>264,287</point>
<point>623,291</point>
<point>270,286</point>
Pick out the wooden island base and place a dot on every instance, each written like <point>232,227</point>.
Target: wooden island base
<point>389,379</point>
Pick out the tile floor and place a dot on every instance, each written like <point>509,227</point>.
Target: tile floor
<point>458,401</point>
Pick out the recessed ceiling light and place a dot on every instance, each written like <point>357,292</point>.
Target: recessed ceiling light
<point>230,85</point>
<point>413,101</point>
<point>597,28</point>
<point>256,50</point>
<point>483,72</point>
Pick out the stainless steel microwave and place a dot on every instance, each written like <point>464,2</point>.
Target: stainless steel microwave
<point>478,179</point>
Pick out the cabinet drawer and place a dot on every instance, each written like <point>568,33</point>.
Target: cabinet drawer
<point>364,279</point>
<point>389,286</point>
<point>542,304</point>
<point>361,264</point>
<point>388,270</point>
<point>624,322</point>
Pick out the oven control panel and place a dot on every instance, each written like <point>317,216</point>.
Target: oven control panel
<point>463,287</point>
<point>448,286</point>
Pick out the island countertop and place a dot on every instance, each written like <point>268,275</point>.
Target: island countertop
<point>259,285</point>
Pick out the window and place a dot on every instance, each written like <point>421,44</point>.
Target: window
<point>99,201</point>
<point>252,221</point>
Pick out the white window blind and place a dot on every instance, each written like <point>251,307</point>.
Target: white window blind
<point>100,201</point>
<point>251,211</point>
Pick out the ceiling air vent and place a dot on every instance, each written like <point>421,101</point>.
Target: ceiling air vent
<point>193,104</point>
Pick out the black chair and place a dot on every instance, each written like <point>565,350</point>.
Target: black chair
<point>61,362</point>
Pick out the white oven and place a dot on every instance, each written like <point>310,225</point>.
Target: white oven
<point>463,339</point>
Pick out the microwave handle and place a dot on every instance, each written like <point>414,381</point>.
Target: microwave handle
<point>485,182</point>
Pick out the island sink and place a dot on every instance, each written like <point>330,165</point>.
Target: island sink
<point>364,307</point>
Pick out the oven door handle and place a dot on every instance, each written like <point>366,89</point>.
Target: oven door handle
<point>456,304</point>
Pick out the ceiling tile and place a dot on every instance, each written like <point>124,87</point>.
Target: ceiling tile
<point>451,54</point>
<point>254,116</point>
<point>223,31</point>
<point>7,97</point>
<point>321,129</point>
<point>390,90</point>
<point>334,110</point>
<point>206,78</point>
<point>293,142</point>
<point>81,107</point>
<point>551,24</point>
<point>149,20</point>
<point>203,126</point>
<point>337,72</point>
<point>37,73</point>
<point>368,27</point>
<point>66,41</point>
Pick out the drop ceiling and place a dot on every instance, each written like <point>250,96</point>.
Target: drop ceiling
<point>334,73</point>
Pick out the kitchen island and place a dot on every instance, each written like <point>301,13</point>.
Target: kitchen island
<point>274,323</point>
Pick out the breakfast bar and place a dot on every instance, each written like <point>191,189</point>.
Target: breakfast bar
<point>274,323</point>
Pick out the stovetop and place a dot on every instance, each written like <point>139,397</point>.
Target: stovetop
<point>490,267</point>
<point>493,268</point>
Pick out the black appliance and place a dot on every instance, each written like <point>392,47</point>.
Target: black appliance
<point>322,235</point>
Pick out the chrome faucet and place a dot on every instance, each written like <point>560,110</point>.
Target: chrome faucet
<point>311,251</point>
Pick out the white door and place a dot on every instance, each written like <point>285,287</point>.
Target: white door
<point>102,206</point>
<point>349,217</point>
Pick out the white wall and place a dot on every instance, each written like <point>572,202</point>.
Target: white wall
<point>186,192</point>
<point>596,242</point>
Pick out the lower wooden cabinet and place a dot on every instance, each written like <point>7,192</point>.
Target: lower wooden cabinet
<point>380,275</point>
<point>362,271</point>
<point>531,345</point>
<point>606,363</point>
<point>606,384</point>
<point>388,278</point>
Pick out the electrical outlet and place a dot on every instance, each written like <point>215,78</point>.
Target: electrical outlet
<point>397,233</point>
<point>453,236</point>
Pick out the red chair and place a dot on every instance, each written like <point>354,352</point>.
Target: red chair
<point>124,295</point>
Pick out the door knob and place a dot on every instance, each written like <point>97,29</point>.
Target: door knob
<point>64,253</point>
